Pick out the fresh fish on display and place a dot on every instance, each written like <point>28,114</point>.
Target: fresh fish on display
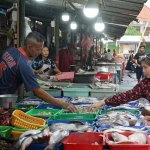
<point>29,136</point>
<point>113,130</point>
<point>29,132</point>
<point>135,138</point>
<point>26,143</point>
<point>139,138</point>
<point>70,127</point>
<point>124,107</point>
<point>129,128</point>
<point>81,110</point>
<point>61,126</point>
<point>57,137</point>
<point>118,137</point>
<point>85,100</point>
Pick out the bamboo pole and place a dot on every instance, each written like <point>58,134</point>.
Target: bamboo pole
<point>146,25</point>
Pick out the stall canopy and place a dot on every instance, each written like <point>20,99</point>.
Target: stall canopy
<point>112,11</point>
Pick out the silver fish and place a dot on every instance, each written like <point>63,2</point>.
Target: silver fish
<point>113,130</point>
<point>26,143</point>
<point>29,132</point>
<point>61,126</point>
<point>128,128</point>
<point>56,138</point>
<point>18,143</point>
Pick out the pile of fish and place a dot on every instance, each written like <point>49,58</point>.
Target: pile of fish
<point>107,85</point>
<point>120,121</point>
<point>75,126</point>
<point>81,110</point>
<point>37,136</point>
<point>135,138</point>
<point>84,100</point>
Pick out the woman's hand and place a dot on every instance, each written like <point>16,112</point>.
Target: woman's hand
<point>96,105</point>
<point>70,107</point>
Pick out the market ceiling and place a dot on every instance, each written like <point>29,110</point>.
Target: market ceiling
<point>111,11</point>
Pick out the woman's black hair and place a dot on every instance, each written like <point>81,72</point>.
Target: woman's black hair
<point>146,59</point>
<point>142,46</point>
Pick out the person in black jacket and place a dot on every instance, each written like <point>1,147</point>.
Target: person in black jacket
<point>130,59</point>
<point>139,70</point>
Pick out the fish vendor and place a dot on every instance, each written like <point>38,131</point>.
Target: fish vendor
<point>15,70</point>
<point>141,90</point>
<point>44,67</point>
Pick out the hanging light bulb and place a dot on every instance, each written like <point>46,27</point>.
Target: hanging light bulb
<point>99,25</point>
<point>65,16</point>
<point>91,9</point>
<point>73,25</point>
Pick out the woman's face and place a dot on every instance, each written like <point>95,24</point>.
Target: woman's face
<point>45,52</point>
<point>146,69</point>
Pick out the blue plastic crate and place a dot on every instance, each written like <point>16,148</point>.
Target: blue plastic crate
<point>81,103</point>
<point>26,102</point>
<point>108,126</point>
<point>31,98</point>
<point>50,122</point>
<point>42,146</point>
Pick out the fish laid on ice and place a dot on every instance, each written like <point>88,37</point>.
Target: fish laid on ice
<point>56,137</point>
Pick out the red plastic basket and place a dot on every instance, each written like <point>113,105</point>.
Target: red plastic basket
<point>65,75</point>
<point>84,141</point>
<point>102,76</point>
<point>127,146</point>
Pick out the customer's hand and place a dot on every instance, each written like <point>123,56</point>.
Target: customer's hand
<point>96,105</point>
<point>70,107</point>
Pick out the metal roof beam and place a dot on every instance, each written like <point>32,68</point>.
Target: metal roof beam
<point>133,1</point>
<point>119,10</point>
<point>113,14</point>
<point>123,5</point>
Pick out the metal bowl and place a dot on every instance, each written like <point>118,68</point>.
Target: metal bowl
<point>8,100</point>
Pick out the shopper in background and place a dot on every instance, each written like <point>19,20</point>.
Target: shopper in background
<point>43,66</point>
<point>130,59</point>
<point>141,90</point>
<point>66,58</point>
<point>139,70</point>
<point>15,70</point>
<point>114,53</point>
<point>109,56</point>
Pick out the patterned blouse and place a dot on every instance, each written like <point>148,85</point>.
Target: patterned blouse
<point>141,90</point>
<point>38,63</point>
